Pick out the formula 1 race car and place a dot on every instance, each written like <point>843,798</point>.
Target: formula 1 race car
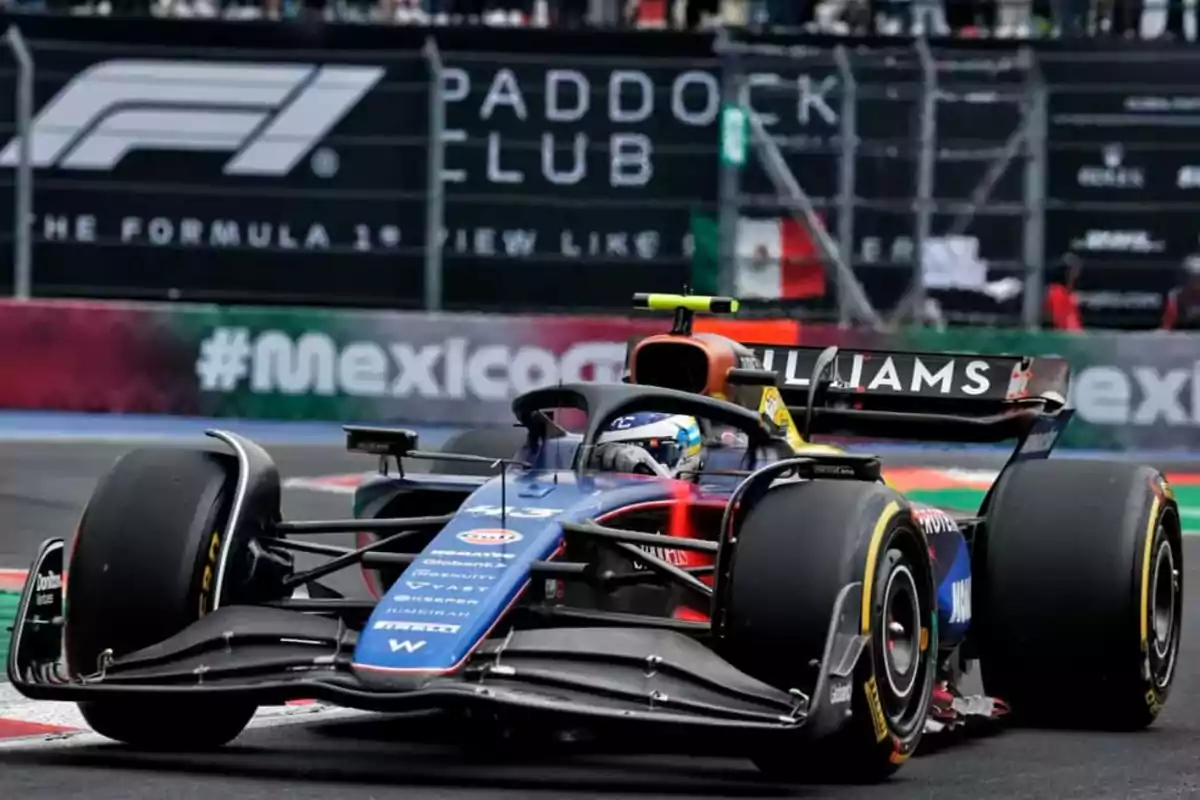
<point>770,594</point>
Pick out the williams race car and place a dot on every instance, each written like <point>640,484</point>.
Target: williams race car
<point>670,553</point>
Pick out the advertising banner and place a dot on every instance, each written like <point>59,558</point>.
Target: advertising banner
<point>296,364</point>
<point>1124,175</point>
<point>276,163</point>
<point>1130,390</point>
<point>288,164</point>
<point>312,364</point>
<point>237,170</point>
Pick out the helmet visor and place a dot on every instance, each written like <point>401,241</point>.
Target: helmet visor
<point>665,451</point>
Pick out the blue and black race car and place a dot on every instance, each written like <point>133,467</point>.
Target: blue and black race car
<point>671,553</point>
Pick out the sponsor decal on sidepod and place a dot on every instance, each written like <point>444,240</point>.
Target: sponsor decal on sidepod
<point>489,537</point>
<point>441,562</point>
<point>416,627</point>
<point>934,521</point>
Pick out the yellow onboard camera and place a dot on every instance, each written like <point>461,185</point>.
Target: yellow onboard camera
<point>685,307</point>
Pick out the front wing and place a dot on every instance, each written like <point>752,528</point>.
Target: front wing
<point>593,676</point>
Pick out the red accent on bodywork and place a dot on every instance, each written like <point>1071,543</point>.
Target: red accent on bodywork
<point>679,526</point>
<point>690,614</point>
<point>679,520</point>
<point>678,516</point>
<point>370,576</point>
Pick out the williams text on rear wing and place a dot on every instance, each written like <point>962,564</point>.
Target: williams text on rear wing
<point>943,396</point>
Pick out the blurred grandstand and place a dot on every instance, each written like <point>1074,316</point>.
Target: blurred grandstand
<point>966,18</point>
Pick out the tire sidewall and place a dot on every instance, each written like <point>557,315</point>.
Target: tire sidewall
<point>144,567</point>
<point>1065,564</point>
<point>894,529</point>
<point>202,577</point>
<point>790,563</point>
<point>191,575</point>
<point>1155,675</point>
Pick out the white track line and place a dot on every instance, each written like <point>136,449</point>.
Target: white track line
<point>13,706</point>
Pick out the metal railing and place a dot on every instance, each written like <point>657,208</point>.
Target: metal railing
<point>23,185</point>
<point>912,86</point>
<point>436,204</point>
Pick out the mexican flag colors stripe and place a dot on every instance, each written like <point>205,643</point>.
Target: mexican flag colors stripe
<point>777,259</point>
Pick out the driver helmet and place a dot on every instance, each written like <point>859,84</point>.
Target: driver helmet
<point>673,440</point>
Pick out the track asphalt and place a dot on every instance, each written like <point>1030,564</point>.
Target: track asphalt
<point>43,486</point>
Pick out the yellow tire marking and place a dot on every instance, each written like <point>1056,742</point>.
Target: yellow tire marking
<point>1151,529</point>
<point>893,508</point>
<point>876,707</point>
<point>206,577</point>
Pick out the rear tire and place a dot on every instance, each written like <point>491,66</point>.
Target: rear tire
<point>487,442</point>
<point>797,549</point>
<point>1080,581</point>
<point>143,568</point>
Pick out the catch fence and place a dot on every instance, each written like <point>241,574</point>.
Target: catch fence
<point>507,170</point>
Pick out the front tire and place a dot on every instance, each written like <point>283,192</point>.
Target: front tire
<point>143,568</point>
<point>1081,575</point>
<point>797,549</point>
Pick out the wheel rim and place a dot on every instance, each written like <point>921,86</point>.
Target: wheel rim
<point>901,642</point>
<point>1164,610</point>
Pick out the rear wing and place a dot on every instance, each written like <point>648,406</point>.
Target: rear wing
<point>888,394</point>
<point>894,394</point>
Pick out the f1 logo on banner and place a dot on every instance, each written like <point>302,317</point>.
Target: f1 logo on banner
<point>270,115</point>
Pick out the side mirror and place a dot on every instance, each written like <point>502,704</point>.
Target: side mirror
<point>395,442</point>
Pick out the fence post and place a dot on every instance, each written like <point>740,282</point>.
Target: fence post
<point>927,138</point>
<point>729,185</point>
<point>789,191</point>
<point>847,171</point>
<point>1034,245</point>
<point>23,188</point>
<point>435,195</point>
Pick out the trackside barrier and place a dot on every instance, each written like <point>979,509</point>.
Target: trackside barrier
<point>1131,390</point>
<point>306,364</point>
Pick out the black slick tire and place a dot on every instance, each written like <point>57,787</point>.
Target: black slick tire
<point>142,568</point>
<point>1079,593</point>
<point>486,442</point>
<point>796,550</point>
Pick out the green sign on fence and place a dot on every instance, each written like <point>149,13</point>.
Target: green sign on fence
<point>735,135</point>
